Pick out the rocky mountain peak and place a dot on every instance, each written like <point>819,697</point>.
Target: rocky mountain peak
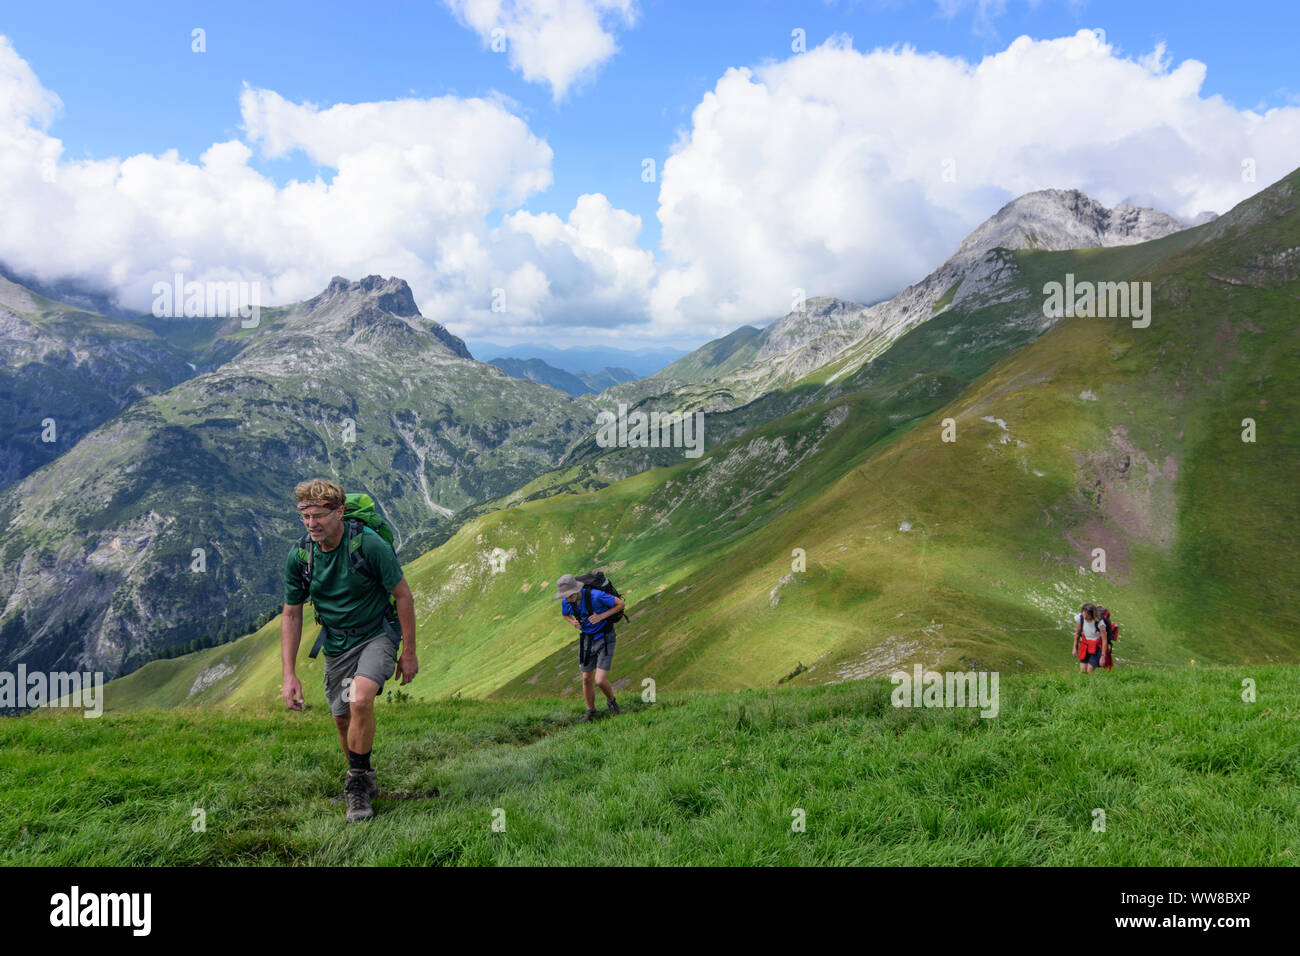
<point>1058,219</point>
<point>1050,219</point>
<point>821,316</point>
<point>391,295</point>
<point>378,305</point>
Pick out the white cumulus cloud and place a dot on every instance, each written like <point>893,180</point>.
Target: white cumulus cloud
<point>593,261</point>
<point>826,171</point>
<point>414,183</point>
<point>560,42</point>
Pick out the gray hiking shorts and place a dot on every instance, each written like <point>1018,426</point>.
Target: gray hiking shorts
<point>376,659</point>
<point>604,656</point>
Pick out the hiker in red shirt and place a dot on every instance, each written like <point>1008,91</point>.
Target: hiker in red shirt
<point>1090,639</point>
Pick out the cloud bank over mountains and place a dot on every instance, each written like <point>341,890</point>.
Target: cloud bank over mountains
<point>835,171</point>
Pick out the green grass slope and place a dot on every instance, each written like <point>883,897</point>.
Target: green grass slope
<point>209,677</point>
<point>1186,773</point>
<point>715,358</point>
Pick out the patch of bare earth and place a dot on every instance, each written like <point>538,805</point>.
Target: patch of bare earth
<point>1133,492</point>
<point>1097,534</point>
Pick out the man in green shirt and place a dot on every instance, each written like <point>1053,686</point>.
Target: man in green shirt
<point>360,635</point>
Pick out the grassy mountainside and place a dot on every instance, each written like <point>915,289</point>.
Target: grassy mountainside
<point>988,299</point>
<point>1187,773</point>
<point>973,553</point>
<point>715,358</point>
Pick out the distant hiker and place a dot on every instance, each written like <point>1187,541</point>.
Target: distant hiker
<point>589,610</point>
<point>347,570</point>
<point>1091,646</point>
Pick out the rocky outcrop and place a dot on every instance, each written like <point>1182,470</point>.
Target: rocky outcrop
<point>1058,219</point>
<point>368,302</point>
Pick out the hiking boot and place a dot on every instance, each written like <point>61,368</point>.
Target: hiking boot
<point>614,709</point>
<point>588,717</point>
<point>372,778</point>
<point>357,787</point>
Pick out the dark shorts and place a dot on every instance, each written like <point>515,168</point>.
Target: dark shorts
<point>1094,658</point>
<point>376,659</point>
<point>604,655</point>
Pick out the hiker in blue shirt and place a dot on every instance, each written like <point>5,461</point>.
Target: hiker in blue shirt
<point>589,611</point>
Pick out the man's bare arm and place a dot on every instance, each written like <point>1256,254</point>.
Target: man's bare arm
<point>618,606</point>
<point>290,638</point>
<point>407,664</point>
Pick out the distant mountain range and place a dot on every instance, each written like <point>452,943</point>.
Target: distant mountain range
<point>582,358</point>
<point>583,383</point>
<point>810,355</point>
<point>836,334</point>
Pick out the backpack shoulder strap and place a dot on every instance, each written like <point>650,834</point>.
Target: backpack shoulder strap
<point>305,555</point>
<point>356,554</point>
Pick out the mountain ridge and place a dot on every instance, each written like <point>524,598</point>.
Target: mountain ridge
<point>835,333</point>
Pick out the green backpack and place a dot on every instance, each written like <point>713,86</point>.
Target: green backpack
<point>358,513</point>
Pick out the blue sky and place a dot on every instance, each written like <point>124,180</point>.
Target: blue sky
<point>129,83</point>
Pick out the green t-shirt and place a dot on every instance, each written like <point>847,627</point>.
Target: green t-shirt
<point>342,597</point>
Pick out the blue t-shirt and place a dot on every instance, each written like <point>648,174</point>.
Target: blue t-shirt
<point>600,603</point>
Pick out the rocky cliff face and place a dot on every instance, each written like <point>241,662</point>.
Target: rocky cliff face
<point>823,318</point>
<point>67,370</point>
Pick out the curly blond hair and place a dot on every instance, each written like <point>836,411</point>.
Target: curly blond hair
<point>319,490</point>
